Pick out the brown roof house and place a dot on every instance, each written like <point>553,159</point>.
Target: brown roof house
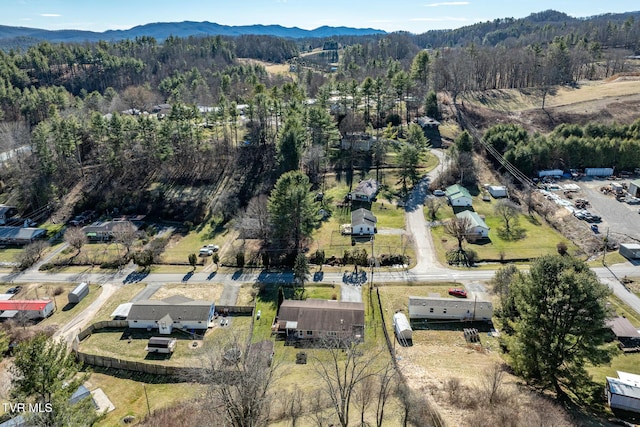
<point>173,312</point>
<point>315,319</point>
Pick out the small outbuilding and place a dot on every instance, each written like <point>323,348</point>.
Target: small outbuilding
<point>402,327</point>
<point>163,345</point>
<point>497,191</point>
<point>630,250</point>
<point>634,188</point>
<point>624,392</point>
<point>78,293</point>
<point>458,195</point>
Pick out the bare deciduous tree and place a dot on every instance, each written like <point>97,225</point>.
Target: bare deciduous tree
<point>387,384</point>
<point>125,233</point>
<point>458,228</point>
<point>508,213</point>
<point>295,405</point>
<point>239,378</point>
<point>341,367</point>
<point>75,237</point>
<point>31,254</point>
<point>433,205</point>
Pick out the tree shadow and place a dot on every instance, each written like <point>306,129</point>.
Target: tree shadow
<point>187,276</point>
<point>513,234</point>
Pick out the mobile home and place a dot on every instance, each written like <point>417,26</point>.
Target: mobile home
<point>437,308</point>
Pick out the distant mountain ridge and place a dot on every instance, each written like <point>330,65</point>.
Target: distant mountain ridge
<point>162,30</point>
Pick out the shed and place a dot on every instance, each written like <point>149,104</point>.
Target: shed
<point>477,227</point>
<point>630,250</point>
<point>164,345</point>
<point>402,327</point>
<point>80,291</point>
<point>634,188</point>
<point>497,191</point>
<point>624,392</point>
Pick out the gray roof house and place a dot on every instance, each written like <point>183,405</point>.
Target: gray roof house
<point>316,319</point>
<point>363,222</point>
<point>104,230</point>
<point>21,235</point>
<point>173,312</point>
<point>365,191</point>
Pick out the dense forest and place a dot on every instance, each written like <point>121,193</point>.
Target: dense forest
<point>77,113</point>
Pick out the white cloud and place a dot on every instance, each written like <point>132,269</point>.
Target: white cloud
<point>50,15</point>
<point>448,3</point>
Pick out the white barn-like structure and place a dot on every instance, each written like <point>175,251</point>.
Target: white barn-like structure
<point>402,327</point>
<point>437,308</point>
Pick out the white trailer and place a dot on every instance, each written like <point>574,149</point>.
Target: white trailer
<point>437,308</point>
<point>402,327</point>
<point>80,291</point>
<point>550,172</point>
<point>598,171</point>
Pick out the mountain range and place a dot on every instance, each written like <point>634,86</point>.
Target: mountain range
<point>161,30</point>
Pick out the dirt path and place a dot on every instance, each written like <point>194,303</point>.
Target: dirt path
<point>69,331</point>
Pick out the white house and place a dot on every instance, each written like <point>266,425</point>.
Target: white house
<point>175,312</point>
<point>477,228</point>
<point>458,195</point>
<point>624,392</point>
<point>437,308</point>
<point>363,222</point>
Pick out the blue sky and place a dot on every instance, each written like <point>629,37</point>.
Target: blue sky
<point>413,16</point>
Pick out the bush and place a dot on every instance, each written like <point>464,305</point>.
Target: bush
<point>318,257</point>
<point>562,248</point>
<point>58,291</point>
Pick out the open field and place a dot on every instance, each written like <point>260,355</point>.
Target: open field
<point>131,393</point>
<point>204,291</point>
<point>181,245</point>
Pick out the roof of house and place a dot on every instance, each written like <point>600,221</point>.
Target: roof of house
<point>81,393</point>
<point>474,219</point>
<point>445,302</point>
<point>21,233</point>
<point>4,209</point>
<point>322,315</point>
<point>107,226</point>
<point>622,328</point>
<point>456,191</point>
<point>623,388</point>
<point>181,308</point>
<point>368,187</point>
<point>21,305</point>
<point>631,246</point>
<point>426,121</point>
<point>122,310</point>
<point>363,216</point>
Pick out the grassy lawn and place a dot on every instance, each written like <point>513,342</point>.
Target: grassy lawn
<point>90,254</point>
<point>178,252</point>
<point>127,393</point>
<point>121,296</point>
<point>8,254</point>
<point>200,291</point>
<point>116,343</point>
<point>540,238</point>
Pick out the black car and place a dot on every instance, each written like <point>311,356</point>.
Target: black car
<point>14,290</point>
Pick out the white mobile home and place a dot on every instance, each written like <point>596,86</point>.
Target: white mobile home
<point>402,327</point>
<point>477,227</point>
<point>497,191</point>
<point>630,250</point>
<point>176,312</point>
<point>437,308</point>
<point>458,195</point>
<point>624,392</point>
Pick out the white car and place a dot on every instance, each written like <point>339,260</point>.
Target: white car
<point>214,248</point>
<point>206,251</point>
<point>438,193</point>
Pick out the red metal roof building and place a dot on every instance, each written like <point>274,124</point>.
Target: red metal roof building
<point>31,308</point>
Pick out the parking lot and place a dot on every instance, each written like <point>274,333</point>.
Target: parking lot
<point>619,219</point>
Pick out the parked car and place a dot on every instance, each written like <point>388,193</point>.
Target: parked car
<point>205,251</point>
<point>214,248</point>
<point>594,228</point>
<point>458,292</point>
<point>438,193</point>
<point>14,290</point>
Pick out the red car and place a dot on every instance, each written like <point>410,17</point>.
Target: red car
<point>458,292</point>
